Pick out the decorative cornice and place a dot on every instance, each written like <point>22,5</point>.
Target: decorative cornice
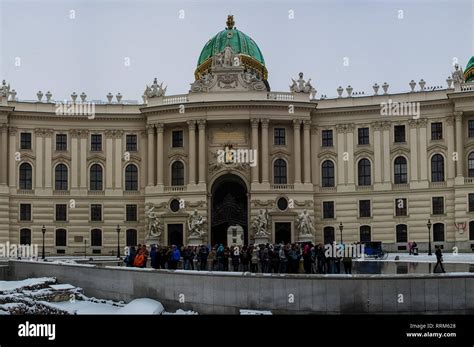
<point>345,128</point>
<point>387,125</point>
<point>81,133</point>
<point>377,126</point>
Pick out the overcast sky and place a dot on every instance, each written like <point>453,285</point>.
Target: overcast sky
<point>101,46</point>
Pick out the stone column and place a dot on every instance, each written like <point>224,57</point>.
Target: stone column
<point>159,154</point>
<point>202,151</point>
<point>297,149</point>
<point>13,164</point>
<point>49,175</point>
<point>3,154</point>
<point>378,164</point>
<point>350,153</point>
<point>422,141</point>
<point>340,129</point>
<point>109,159</point>
<point>265,164</point>
<point>74,159</point>
<point>459,145</point>
<point>254,170</point>
<point>39,162</point>
<point>150,130</point>
<point>84,134</point>
<point>118,151</point>
<point>314,154</point>
<point>307,151</point>
<point>192,151</point>
<point>387,172</point>
<point>413,150</point>
<point>450,138</point>
<point>143,152</point>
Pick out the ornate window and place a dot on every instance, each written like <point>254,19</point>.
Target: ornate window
<point>177,174</point>
<point>279,172</point>
<point>96,177</point>
<point>26,176</point>
<point>131,177</point>
<point>60,177</point>
<point>327,173</point>
<point>437,168</point>
<point>470,164</point>
<point>400,170</point>
<point>364,172</point>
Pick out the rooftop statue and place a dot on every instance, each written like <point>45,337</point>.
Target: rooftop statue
<point>155,90</point>
<point>5,89</point>
<point>458,75</point>
<point>302,86</point>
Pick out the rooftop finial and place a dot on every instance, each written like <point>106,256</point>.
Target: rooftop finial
<point>230,22</point>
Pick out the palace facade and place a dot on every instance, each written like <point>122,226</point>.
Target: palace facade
<point>381,165</point>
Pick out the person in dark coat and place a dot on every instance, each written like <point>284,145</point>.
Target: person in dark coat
<point>130,257</point>
<point>154,257</point>
<point>203,254</point>
<point>245,259</point>
<point>439,260</point>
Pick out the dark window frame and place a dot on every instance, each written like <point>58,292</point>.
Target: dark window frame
<point>279,136</point>
<point>25,212</point>
<point>58,212</point>
<point>131,177</point>
<point>327,138</point>
<point>280,171</point>
<point>61,179</point>
<point>328,210</point>
<point>96,212</point>
<point>328,173</point>
<point>365,208</point>
<point>364,172</point>
<point>131,213</point>
<point>437,205</point>
<point>363,136</point>
<point>177,139</point>
<point>26,176</point>
<point>96,142</point>
<point>177,173</point>
<point>25,140</point>
<point>436,131</point>
<point>400,170</point>
<point>437,168</point>
<point>131,143</point>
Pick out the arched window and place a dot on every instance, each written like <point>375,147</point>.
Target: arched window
<point>438,232</point>
<point>328,235</point>
<point>96,177</point>
<point>131,237</point>
<point>279,172</point>
<point>437,168</point>
<point>26,176</point>
<point>365,233</point>
<point>96,238</point>
<point>364,172</point>
<point>131,177</point>
<point>471,230</point>
<point>327,173</point>
<point>470,164</point>
<point>61,237</point>
<point>177,174</point>
<point>60,177</point>
<point>25,236</point>
<point>400,170</point>
<point>402,233</point>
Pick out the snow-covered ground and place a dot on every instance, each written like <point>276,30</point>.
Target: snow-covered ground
<point>448,257</point>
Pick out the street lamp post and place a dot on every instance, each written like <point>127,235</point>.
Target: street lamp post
<point>340,229</point>
<point>429,236</point>
<point>118,241</point>
<point>43,230</point>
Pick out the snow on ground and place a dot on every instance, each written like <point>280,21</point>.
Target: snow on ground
<point>142,306</point>
<point>448,257</point>
<point>85,307</point>
<point>255,312</point>
<point>181,312</point>
<point>8,286</point>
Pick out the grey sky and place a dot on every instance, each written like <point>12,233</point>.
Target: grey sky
<point>89,53</point>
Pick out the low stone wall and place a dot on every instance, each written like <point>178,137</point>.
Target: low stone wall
<point>226,293</point>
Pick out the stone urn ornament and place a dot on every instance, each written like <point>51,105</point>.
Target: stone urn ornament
<point>48,96</point>
<point>13,95</point>
<point>349,90</point>
<point>39,95</point>
<point>119,98</point>
<point>449,81</point>
<point>110,97</point>
<point>74,97</point>
<point>83,97</point>
<point>412,85</point>
<point>422,84</point>
<point>385,86</point>
<point>339,91</point>
<point>376,88</point>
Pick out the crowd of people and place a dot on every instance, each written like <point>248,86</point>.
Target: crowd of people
<point>269,258</point>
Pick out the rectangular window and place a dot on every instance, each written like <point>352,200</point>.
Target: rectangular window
<point>364,208</point>
<point>399,133</point>
<point>131,143</point>
<point>279,138</point>
<point>61,212</point>
<point>177,138</point>
<point>96,212</point>
<point>61,142</point>
<point>96,238</point>
<point>328,209</point>
<point>470,125</point>
<point>131,213</point>
<point>471,202</point>
<point>96,142</point>
<point>326,135</point>
<point>437,131</point>
<point>61,238</point>
<point>363,136</point>
<point>25,212</point>
<point>438,205</point>
<point>25,141</point>
<point>401,207</point>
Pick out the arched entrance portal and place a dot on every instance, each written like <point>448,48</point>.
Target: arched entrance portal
<point>229,206</point>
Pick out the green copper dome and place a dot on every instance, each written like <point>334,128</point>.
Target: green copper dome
<point>469,72</point>
<point>241,44</point>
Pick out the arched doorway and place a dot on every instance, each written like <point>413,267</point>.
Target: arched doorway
<point>229,206</point>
